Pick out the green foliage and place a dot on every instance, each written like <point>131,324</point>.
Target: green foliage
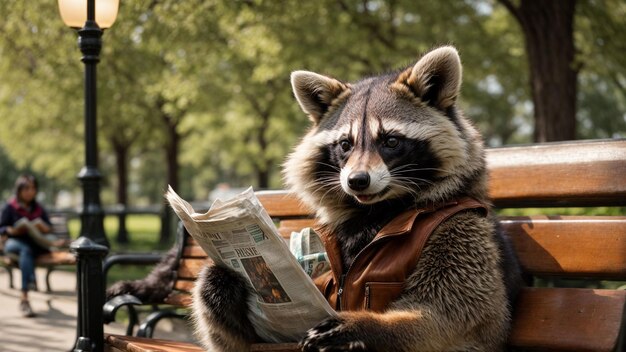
<point>39,110</point>
<point>144,234</point>
<point>143,230</point>
<point>602,81</point>
<point>216,75</point>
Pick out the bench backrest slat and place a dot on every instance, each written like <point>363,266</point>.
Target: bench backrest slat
<point>570,246</point>
<point>190,267</point>
<point>559,174</point>
<point>597,246</point>
<point>282,205</point>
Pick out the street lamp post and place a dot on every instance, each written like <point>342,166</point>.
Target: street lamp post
<point>93,17</point>
<point>90,18</point>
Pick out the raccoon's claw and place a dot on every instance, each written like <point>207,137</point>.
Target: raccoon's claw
<point>331,335</point>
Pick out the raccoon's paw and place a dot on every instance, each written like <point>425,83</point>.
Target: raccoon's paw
<point>333,334</point>
<point>221,296</point>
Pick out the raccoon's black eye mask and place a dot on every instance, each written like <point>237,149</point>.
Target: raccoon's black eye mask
<point>345,145</point>
<point>391,142</point>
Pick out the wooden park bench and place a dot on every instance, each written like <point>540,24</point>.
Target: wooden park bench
<point>51,261</point>
<point>589,248</point>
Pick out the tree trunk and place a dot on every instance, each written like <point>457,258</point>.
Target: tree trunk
<point>171,156</point>
<point>121,163</point>
<point>263,172</point>
<point>548,28</point>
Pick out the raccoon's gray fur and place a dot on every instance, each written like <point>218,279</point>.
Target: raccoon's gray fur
<point>376,148</point>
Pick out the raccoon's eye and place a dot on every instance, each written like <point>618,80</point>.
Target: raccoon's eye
<point>391,142</point>
<point>345,145</point>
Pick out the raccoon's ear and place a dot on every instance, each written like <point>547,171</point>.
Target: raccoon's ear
<point>435,78</point>
<point>315,93</point>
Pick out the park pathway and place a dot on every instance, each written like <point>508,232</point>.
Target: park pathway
<point>54,328</point>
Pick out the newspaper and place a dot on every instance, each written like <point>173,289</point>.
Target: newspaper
<point>308,248</point>
<point>240,234</point>
<point>32,229</point>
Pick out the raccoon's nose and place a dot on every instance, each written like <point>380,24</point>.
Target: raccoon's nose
<point>358,180</point>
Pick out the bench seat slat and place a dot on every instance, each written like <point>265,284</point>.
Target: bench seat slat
<point>56,258</point>
<point>570,246</point>
<point>139,344</point>
<point>47,259</point>
<point>562,319</point>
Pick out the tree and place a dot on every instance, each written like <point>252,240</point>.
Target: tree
<point>42,119</point>
<point>548,28</point>
<point>602,78</point>
<point>196,93</point>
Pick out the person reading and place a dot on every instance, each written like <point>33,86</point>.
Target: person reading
<point>24,221</point>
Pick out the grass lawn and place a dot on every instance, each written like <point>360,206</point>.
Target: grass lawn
<point>143,234</point>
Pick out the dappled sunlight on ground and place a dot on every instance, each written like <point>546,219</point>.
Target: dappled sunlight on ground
<point>54,327</point>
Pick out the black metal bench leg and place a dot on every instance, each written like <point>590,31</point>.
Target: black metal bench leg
<point>146,329</point>
<point>132,320</point>
<point>9,271</point>
<point>48,272</point>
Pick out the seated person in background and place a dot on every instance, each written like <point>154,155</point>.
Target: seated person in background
<point>24,205</point>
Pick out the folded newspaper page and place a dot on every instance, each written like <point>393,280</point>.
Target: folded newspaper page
<point>308,248</point>
<point>32,230</point>
<point>239,233</point>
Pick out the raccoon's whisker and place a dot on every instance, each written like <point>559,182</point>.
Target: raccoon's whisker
<point>414,167</point>
<point>406,170</point>
<point>334,167</point>
<point>400,167</point>
<point>406,189</point>
<point>412,179</point>
<point>405,184</point>
<point>406,179</point>
<point>333,188</point>
<point>410,191</point>
<point>326,176</point>
<point>330,181</point>
<point>326,181</point>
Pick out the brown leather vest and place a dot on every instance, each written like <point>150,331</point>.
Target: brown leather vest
<point>377,275</point>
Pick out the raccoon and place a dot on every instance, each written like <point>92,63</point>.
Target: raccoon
<point>377,149</point>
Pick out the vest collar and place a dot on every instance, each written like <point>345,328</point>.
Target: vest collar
<point>399,225</point>
<point>403,223</point>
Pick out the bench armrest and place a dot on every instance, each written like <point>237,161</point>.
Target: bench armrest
<point>130,259</point>
<point>111,307</point>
